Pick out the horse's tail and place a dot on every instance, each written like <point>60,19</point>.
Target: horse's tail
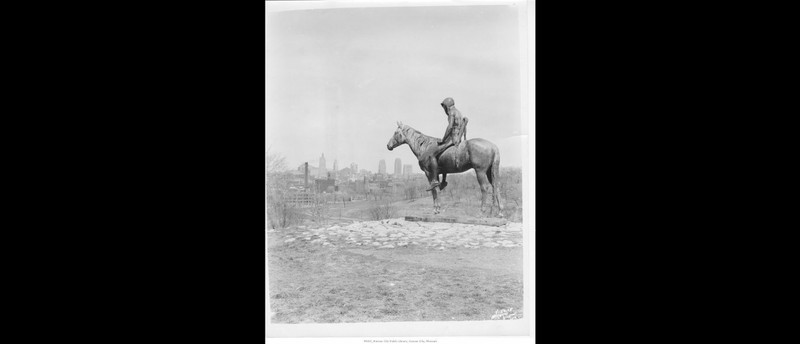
<point>494,170</point>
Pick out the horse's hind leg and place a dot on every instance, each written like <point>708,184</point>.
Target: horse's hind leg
<point>493,179</point>
<point>496,192</point>
<point>483,181</point>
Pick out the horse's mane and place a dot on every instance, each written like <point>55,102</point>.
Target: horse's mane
<point>418,139</point>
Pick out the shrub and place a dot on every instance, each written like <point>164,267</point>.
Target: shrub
<point>381,211</point>
<point>319,210</point>
<point>282,214</point>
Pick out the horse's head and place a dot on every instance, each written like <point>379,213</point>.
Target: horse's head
<point>398,138</point>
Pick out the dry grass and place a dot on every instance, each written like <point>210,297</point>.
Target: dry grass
<point>310,283</point>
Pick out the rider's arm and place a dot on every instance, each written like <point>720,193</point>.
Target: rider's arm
<point>450,121</point>
<point>466,120</point>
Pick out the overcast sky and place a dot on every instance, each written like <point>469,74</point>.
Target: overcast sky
<point>338,80</point>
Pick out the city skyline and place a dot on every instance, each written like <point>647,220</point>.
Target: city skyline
<point>414,168</point>
<point>354,167</point>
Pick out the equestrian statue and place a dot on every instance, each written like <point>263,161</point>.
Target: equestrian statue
<point>451,154</point>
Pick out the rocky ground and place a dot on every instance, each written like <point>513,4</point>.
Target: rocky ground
<point>387,234</point>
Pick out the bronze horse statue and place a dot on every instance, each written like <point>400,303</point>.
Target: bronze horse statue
<point>477,153</point>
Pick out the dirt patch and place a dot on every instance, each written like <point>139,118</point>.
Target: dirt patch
<point>315,283</point>
<point>497,262</point>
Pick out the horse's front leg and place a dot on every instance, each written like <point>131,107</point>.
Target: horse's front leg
<point>434,193</point>
<point>436,207</point>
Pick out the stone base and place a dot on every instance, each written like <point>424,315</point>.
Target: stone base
<point>497,222</point>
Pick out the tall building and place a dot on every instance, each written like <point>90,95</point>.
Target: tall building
<point>382,167</point>
<point>323,171</point>
<point>335,165</point>
<point>398,165</point>
<point>407,170</point>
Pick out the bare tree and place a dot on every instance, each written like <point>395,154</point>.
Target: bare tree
<point>281,212</point>
<point>275,162</point>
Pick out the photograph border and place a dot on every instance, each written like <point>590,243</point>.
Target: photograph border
<point>442,330</point>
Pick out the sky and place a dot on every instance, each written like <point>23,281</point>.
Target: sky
<point>338,80</point>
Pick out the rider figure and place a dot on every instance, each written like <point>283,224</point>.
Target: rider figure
<point>456,130</point>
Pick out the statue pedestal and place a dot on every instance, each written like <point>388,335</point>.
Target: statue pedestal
<point>497,222</point>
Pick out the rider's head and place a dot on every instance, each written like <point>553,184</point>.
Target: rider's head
<point>447,103</point>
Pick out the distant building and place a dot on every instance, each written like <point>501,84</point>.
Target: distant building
<point>323,171</point>
<point>312,171</point>
<point>325,185</point>
<point>354,167</point>
<point>358,186</point>
<point>407,170</point>
<point>398,165</point>
<point>382,167</point>
<point>335,165</point>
